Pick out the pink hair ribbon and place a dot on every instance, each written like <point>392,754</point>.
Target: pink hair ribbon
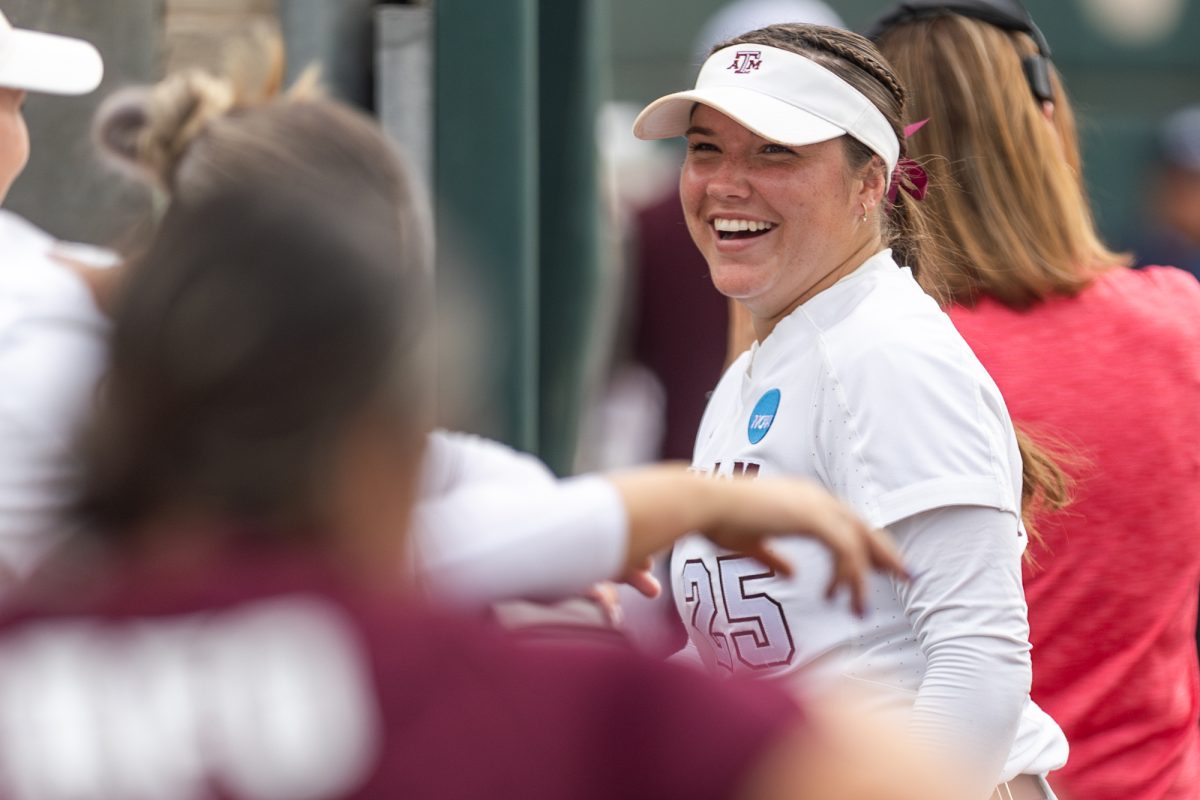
<point>907,168</point>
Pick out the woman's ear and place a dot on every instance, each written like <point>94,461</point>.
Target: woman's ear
<point>874,182</point>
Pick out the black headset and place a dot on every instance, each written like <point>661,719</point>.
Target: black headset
<point>1008,15</point>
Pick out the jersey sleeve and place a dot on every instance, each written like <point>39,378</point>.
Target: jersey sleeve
<point>491,540</point>
<point>52,354</point>
<point>967,610</point>
<point>453,460</point>
<point>914,426</point>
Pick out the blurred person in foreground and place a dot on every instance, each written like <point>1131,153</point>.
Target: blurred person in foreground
<point>1172,234</point>
<point>238,623</point>
<point>1088,353</point>
<point>50,353</point>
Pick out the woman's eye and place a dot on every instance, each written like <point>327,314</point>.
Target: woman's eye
<point>702,147</point>
<point>772,149</point>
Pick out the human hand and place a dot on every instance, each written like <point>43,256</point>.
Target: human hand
<point>641,578</point>
<point>747,512</point>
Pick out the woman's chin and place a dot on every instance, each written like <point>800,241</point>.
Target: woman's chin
<point>739,284</point>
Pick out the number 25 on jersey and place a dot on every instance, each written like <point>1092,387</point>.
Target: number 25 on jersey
<point>751,630</point>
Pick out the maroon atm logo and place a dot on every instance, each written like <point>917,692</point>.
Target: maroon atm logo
<point>744,61</point>
<point>741,469</point>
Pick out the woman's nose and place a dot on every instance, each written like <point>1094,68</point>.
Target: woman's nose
<point>729,180</point>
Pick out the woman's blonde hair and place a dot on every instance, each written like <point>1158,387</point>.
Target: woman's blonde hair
<point>1010,215</point>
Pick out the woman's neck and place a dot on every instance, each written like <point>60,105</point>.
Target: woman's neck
<point>855,259</point>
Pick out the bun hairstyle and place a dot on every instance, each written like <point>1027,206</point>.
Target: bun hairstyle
<point>147,132</point>
<point>238,357</point>
<point>194,135</point>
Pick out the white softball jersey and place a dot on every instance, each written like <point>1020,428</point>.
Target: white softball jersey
<point>52,352</point>
<point>494,524</point>
<point>868,390</point>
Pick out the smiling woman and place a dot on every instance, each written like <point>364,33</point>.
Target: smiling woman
<point>796,190</point>
<point>776,224</point>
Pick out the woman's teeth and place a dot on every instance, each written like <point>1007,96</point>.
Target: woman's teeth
<point>736,228</point>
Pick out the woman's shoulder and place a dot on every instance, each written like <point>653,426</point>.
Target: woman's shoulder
<point>1138,300</point>
<point>19,233</point>
<point>1152,298</point>
<point>1154,280</point>
<point>898,336</point>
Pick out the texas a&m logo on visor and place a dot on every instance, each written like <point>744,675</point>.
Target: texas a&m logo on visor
<point>746,60</point>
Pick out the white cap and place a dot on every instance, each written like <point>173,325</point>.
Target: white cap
<point>779,95</point>
<point>43,62</point>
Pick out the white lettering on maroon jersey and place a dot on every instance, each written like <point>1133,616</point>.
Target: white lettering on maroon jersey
<point>270,701</point>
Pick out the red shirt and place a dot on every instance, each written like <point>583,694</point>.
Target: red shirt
<point>1114,375</point>
<point>270,676</point>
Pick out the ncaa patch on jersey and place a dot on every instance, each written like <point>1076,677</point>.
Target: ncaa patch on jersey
<point>763,416</point>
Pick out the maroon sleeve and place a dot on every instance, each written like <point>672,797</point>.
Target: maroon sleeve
<point>470,716</point>
<point>667,731</point>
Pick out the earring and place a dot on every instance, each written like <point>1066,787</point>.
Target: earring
<point>864,208</point>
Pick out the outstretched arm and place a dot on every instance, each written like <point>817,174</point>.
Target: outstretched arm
<point>491,537</point>
<point>666,502</point>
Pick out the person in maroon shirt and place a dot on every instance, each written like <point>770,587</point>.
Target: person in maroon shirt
<point>675,301</point>
<point>235,623</point>
<point>1101,360</point>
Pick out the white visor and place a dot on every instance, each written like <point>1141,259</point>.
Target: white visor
<point>779,95</point>
<point>43,62</point>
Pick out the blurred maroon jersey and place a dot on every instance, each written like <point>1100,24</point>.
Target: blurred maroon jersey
<point>265,675</point>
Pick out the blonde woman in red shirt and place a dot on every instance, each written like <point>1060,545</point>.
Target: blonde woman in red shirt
<point>1102,359</point>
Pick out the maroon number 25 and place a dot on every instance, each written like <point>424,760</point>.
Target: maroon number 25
<point>759,636</point>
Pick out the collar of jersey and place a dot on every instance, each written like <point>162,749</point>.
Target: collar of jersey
<point>818,313</point>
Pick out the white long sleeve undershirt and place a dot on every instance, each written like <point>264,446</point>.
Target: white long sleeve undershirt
<point>494,524</point>
<point>967,610</point>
